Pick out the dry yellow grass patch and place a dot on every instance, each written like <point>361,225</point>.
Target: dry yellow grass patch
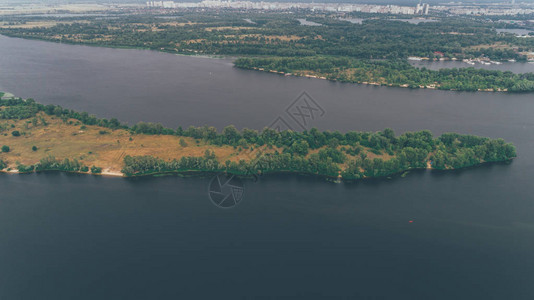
<point>106,148</point>
<point>90,147</point>
<point>273,37</point>
<point>193,41</point>
<point>228,28</point>
<point>497,45</point>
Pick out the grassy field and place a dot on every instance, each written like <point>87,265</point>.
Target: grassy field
<point>106,148</point>
<point>94,145</point>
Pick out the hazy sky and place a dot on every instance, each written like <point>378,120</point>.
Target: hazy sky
<point>400,2</point>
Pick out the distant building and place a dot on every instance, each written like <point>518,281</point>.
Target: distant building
<point>426,7</point>
<point>339,7</point>
<point>422,8</point>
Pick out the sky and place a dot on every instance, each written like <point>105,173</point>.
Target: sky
<point>398,2</point>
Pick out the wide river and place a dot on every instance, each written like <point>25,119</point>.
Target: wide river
<point>85,237</point>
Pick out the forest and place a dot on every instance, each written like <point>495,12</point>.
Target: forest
<point>374,51</point>
<point>350,155</point>
<point>334,154</point>
<point>394,73</point>
<point>280,34</point>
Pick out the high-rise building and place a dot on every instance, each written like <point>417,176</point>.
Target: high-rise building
<point>422,8</point>
<point>426,7</point>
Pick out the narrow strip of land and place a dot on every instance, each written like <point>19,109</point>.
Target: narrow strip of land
<point>35,137</point>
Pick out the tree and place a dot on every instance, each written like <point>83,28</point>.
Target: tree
<point>96,170</point>
<point>230,134</point>
<point>183,143</point>
<point>5,149</point>
<point>15,133</point>
<point>300,148</point>
<point>34,148</point>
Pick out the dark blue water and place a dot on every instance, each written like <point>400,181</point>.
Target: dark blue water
<point>83,237</point>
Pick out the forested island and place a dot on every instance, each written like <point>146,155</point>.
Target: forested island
<point>373,52</point>
<point>36,137</point>
<point>398,73</point>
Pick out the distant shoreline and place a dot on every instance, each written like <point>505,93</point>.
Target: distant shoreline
<point>364,82</point>
<point>234,59</point>
<point>197,173</point>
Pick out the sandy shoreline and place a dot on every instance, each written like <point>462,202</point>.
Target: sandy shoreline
<point>107,172</point>
<point>429,87</point>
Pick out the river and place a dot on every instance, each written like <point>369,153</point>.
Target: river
<point>464,234</point>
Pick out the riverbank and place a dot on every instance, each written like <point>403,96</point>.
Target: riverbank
<point>388,73</point>
<point>431,87</point>
<point>37,138</point>
<point>392,73</point>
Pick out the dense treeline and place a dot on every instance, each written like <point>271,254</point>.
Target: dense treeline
<point>395,73</point>
<point>407,151</point>
<point>50,163</point>
<point>351,155</point>
<point>374,51</point>
<point>18,108</point>
<point>278,34</point>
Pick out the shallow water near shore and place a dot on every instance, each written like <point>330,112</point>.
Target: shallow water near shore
<point>72,236</point>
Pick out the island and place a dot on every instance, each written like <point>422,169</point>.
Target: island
<point>396,73</point>
<point>36,137</point>
<point>375,51</point>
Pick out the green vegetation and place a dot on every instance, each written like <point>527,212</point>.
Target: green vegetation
<point>350,155</point>
<point>19,109</point>
<point>372,52</point>
<point>413,150</point>
<point>394,73</point>
<point>280,34</point>
<point>96,170</point>
<point>50,163</point>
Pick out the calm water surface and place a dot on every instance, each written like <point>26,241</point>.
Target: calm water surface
<point>518,32</point>
<point>83,237</point>
<point>308,23</point>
